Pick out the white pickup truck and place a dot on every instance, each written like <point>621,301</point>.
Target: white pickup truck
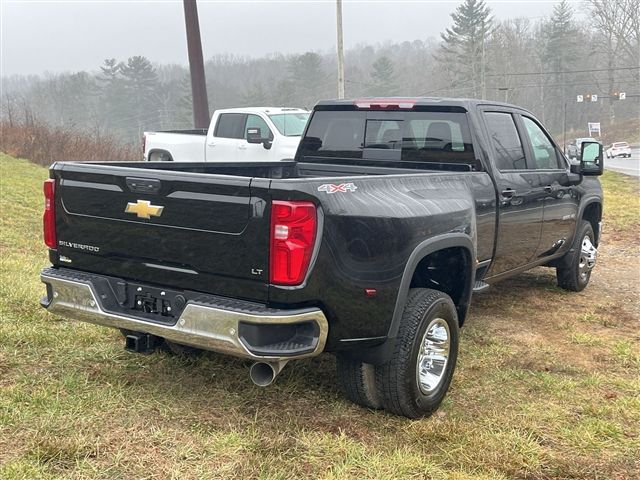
<point>236,134</point>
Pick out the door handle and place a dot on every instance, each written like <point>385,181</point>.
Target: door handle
<point>508,193</point>
<point>211,144</point>
<point>242,147</point>
<point>548,189</point>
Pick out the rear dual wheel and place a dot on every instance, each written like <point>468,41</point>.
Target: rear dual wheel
<point>415,379</point>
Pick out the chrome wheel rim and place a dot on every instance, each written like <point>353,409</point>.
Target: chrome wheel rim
<point>433,356</point>
<point>588,257</point>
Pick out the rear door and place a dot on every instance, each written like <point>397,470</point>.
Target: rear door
<point>223,142</point>
<point>199,231</point>
<point>520,193</point>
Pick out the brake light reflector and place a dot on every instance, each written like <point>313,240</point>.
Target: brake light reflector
<point>385,103</point>
<point>49,216</point>
<point>293,235</point>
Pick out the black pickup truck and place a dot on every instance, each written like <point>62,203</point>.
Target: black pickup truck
<point>368,245</point>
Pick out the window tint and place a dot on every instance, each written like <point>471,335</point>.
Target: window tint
<point>254,121</point>
<point>230,125</point>
<point>335,134</point>
<point>505,140</point>
<point>383,134</point>
<point>290,124</point>
<point>544,153</point>
<point>430,137</point>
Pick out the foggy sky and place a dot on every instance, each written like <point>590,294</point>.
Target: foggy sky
<point>55,36</point>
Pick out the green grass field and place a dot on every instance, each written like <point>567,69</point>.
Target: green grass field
<point>547,385</point>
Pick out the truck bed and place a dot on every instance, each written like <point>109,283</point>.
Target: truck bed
<point>213,232</point>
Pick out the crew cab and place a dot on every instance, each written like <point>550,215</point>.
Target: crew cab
<point>368,245</point>
<point>234,135</point>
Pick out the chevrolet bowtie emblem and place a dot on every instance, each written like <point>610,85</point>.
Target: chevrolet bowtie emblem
<point>144,209</point>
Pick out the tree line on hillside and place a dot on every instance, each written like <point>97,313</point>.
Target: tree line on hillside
<point>540,65</point>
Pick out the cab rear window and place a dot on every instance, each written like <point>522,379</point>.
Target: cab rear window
<point>424,139</point>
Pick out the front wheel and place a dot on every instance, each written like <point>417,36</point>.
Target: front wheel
<point>416,378</point>
<point>574,270</point>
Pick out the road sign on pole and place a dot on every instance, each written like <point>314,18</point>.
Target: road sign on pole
<point>622,95</point>
<point>594,127</point>
<point>579,99</point>
<point>594,97</point>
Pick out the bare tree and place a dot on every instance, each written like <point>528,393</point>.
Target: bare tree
<point>615,21</point>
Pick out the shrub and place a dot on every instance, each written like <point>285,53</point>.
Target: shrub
<point>43,144</point>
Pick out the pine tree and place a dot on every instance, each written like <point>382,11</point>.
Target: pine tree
<point>383,77</point>
<point>308,78</point>
<point>141,83</point>
<point>184,107</point>
<point>112,95</point>
<point>560,32</point>
<point>255,96</point>
<point>558,54</point>
<point>463,50</point>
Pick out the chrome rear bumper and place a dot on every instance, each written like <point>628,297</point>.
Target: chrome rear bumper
<point>200,325</point>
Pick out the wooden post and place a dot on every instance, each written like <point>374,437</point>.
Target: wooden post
<point>196,66</point>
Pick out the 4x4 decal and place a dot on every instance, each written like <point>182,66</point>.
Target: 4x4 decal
<point>342,187</point>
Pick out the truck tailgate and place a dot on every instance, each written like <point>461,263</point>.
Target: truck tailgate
<point>192,231</point>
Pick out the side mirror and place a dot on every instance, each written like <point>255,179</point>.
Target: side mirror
<point>254,135</point>
<point>591,159</point>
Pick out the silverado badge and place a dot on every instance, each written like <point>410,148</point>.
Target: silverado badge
<point>144,209</point>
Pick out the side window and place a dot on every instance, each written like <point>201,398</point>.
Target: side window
<point>258,122</point>
<point>506,141</point>
<point>230,125</point>
<point>544,153</point>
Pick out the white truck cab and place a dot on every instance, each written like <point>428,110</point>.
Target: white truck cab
<point>248,134</point>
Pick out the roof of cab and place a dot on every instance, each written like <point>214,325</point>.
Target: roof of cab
<point>271,110</point>
<point>466,103</point>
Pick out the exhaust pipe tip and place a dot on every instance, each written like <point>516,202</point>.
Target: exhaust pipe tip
<point>264,373</point>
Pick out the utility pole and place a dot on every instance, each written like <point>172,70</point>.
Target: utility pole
<point>564,128</point>
<point>340,50</point>
<point>196,66</point>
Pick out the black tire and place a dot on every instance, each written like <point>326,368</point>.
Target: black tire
<point>358,381</point>
<point>397,379</point>
<point>571,272</point>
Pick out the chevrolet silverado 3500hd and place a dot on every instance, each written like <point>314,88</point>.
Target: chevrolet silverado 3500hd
<point>368,245</point>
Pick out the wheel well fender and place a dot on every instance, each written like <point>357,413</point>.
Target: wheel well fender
<point>160,151</point>
<point>454,244</point>
<point>591,211</point>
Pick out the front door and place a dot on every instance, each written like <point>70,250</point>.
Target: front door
<point>255,152</point>
<point>520,194</point>
<point>561,201</point>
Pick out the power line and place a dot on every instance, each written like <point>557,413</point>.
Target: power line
<point>538,85</point>
<point>560,71</point>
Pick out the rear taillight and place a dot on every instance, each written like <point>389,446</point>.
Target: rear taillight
<point>49,217</point>
<point>144,144</point>
<point>293,234</point>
